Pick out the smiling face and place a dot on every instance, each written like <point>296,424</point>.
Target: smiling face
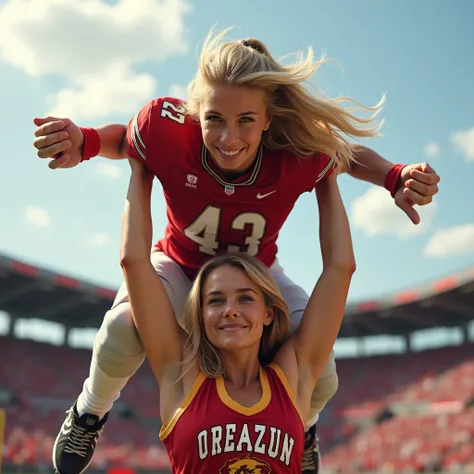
<point>233,119</point>
<point>233,309</point>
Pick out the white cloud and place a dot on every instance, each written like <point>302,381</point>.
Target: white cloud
<point>456,240</point>
<point>94,46</point>
<point>117,91</point>
<point>37,217</point>
<point>463,141</point>
<point>431,149</point>
<point>109,170</point>
<point>76,38</point>
<point>178,91</point>
<point>376,214</point>
<point>99,240</point>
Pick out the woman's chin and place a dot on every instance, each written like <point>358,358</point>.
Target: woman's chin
<point>232,164</point>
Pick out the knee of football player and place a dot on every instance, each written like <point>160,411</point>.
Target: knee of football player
<point>117,346</point>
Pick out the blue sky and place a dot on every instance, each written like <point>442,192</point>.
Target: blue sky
<point>99,62</point>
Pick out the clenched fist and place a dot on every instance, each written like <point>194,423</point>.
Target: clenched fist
<point>59,139</point>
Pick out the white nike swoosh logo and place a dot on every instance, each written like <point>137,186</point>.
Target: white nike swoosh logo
<point>66,428</point>
<point>261,196</point>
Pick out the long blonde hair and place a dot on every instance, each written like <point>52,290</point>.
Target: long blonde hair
<point>198,349</point>
<point>301,122</point>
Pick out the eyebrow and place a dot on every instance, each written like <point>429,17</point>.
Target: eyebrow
<point>240,290</point>
<point>249,112</point>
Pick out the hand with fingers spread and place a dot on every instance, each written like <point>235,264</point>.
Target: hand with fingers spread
<point>420,184</point>
<point>59,139</point>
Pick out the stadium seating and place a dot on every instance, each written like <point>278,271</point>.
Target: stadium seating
<point>45,379</point>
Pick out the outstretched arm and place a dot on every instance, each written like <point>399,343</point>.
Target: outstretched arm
<point>415,184</point>
<point>368,166</point>
<point>113,143</point>
<point>63,141</point>
<point>312,342</point>
<point>152,311</point>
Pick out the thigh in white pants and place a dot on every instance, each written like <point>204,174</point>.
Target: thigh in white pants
<point>175,281</point>
<point>117,347</point>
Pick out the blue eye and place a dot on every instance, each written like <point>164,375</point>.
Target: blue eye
<point>215,301</point>
<point>213,118</point>
<point>246,298</point>
<point>247,119</point>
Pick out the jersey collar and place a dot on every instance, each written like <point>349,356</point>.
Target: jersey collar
<point>247,179</point>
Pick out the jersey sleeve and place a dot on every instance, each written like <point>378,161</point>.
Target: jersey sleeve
<point>138,132</point>
<point>153,133</point>
<point>328,165</point>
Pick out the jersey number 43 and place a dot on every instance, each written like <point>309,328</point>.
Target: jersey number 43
<point>204,230</point>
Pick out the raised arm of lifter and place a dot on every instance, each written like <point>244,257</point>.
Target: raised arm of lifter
<point>312,342</point>
<point>152,311</point>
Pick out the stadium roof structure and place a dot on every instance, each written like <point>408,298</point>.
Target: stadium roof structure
<point>27,291</point>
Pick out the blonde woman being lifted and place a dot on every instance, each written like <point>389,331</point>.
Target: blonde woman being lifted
<point>232,159</point>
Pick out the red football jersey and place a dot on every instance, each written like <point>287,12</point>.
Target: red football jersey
<point>207,213</point>
<point>211,433</point>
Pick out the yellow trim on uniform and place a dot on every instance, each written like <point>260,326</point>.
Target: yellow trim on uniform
<point>243,410</point>
<point>166,430</point>
<point>281,375</point>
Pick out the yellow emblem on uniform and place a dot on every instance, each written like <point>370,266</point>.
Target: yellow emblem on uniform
<point>245,465</point>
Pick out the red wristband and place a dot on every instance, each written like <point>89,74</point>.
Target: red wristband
<point>91,143</point>
<point>391,180</point>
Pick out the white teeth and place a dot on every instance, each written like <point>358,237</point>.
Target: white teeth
<point>229,153</point>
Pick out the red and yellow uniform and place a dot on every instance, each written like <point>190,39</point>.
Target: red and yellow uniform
<point>211,433</point>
